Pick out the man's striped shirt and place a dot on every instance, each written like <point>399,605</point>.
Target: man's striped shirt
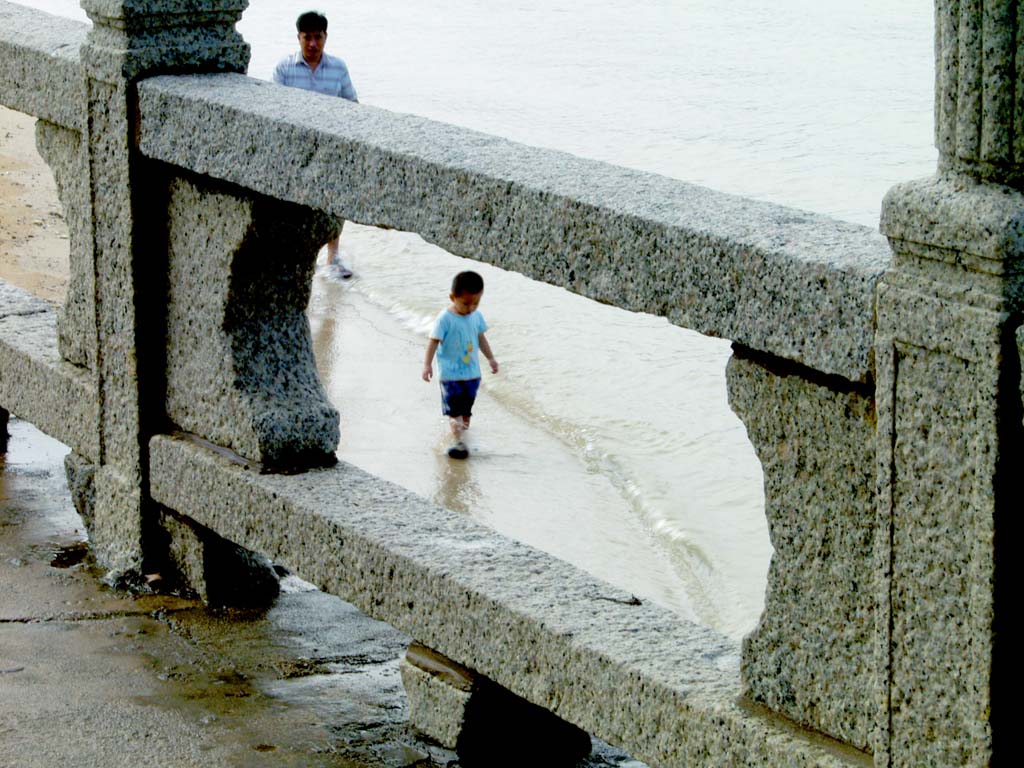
<point>330,78</point>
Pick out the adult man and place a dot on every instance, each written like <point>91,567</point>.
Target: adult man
<point>314,70</point>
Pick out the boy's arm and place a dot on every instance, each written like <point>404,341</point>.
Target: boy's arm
<point>485,347</point>
<point>428,362</point>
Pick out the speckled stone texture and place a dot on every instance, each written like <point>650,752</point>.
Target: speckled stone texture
<point>949,447</point>
<point>438,696</point>
<point>464,711</point>
<point>136,38</point>
<point>35,384</point>
<point>978,111</point>
<point>240,365</point>
<point>636,676</point>
<point>116,536</point>
<point>788,282</point>
<point>130,39</point>
<point>811,657</point>
<point>81,477</point>
<point>218,572</point>
<point>40,72</point>
<point>64,151</point>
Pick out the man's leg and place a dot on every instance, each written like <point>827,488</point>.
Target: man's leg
<point>333,248</point>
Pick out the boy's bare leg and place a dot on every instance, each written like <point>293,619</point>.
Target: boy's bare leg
<point>459,426</point>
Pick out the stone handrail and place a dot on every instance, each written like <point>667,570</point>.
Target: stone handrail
<point>40,69</point>
<point>791,283</point>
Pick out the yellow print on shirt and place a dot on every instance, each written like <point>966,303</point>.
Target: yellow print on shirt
<point>469,353</point>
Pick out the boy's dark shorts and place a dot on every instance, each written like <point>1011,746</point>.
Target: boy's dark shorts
<point>458,396</point>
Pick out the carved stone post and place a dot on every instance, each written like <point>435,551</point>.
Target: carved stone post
<point>949,406</point>
<point>131,39</point>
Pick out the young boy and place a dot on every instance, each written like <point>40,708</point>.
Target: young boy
<point>457,336</point>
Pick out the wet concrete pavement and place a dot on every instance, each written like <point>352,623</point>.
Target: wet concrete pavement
<point>90,676</point>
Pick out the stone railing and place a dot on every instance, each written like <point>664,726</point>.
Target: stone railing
<point>882,393</point>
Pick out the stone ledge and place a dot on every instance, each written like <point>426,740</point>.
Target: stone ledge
<point>795,284</point>
<point>35,384</point>
<point>636,676</point>
<point>40,71</point>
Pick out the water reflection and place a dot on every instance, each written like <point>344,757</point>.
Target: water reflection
<point>457,489</point>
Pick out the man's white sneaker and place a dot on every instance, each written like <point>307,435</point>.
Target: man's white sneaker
<point>338,271</point>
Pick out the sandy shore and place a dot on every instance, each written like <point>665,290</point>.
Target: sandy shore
<point>33,234</point>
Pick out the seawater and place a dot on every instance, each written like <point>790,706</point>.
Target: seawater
<point>606,438</point>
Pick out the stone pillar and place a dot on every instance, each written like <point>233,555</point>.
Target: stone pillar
<point>131,39</point>
<point>979,113</point>
<point>949,407</point>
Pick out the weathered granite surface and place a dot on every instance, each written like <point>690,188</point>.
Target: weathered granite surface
<point>978,111</point>
<point>136,38</point>
<point>792,283</point>
<point>40,73</point>
<point>81,478</point>
<point>949,444</point>
<point>217,571</point>
<point>35,384</point>
<point>67,155</point>
<point>463,710</point>
<point>950,423</point>
<point>811,656</point>
<point>634,675</point>
<point>130,39</point>
<point>240,369</point>
<point>438,698</point>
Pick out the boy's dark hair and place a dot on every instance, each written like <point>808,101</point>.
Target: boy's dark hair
<point>467,282</point>
<point>311,21</point>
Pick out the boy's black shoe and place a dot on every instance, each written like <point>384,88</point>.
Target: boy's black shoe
<point>458,451</point>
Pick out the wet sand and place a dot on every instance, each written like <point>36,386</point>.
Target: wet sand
<point>33,235</point>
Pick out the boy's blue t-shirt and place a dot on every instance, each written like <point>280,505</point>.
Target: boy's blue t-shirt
<point>457,355</point>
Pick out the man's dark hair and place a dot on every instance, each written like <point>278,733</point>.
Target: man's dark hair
<point>467,282</point>
<point>311,21</point>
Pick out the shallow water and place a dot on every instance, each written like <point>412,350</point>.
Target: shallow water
<point>606,438</point>
<point>586,444</point>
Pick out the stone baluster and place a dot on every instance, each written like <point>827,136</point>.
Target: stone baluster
<point>809,658</point>
<point>240,366</point>
<point>949,406</point>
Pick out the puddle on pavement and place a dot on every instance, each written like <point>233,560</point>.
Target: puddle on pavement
<point>70,555</point>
